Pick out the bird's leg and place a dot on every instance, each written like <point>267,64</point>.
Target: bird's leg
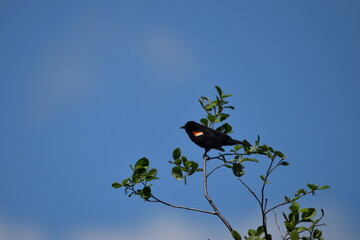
<point>205,156</point>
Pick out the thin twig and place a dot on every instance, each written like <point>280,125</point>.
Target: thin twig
<point>278,226</point>
<point>182,207</point>
<point>221,165</point>
<point>233,154</point>
<point>288,202</point>
<point>251,191</point>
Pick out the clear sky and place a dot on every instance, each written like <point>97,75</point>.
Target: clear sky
<point>89,87</point>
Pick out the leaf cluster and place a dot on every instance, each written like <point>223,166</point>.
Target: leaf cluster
<point>141,175</point>
<point>301,223</point>
<point>183,167</point>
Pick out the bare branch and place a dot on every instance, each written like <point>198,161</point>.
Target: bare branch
<point>206,194</point>
<point>181,207</point>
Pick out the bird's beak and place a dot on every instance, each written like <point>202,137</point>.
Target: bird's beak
<point>183,127</point>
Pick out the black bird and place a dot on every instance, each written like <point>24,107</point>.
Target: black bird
<point>209,138</point>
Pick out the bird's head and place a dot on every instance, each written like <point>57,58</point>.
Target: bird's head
<point>189,125</point>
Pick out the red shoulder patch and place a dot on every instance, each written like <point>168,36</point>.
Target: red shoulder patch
<point>196,134</point>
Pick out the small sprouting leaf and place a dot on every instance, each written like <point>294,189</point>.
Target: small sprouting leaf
<point>226,95</point>
<point>238,169</point>
<point>116,185</point>
<point>176,153</point>
<point>178,162</point>
<point>205,98</point>
<point>312,186</point>
<point>125,182</point>
<point>300,191</point>
<point>201,103</point>
<point>238,147</point>
<point>235,235</point>
<point>263,178</point>
<point>284,163</point>
<point>177,173</point>
<point>294,206</point>
<point>184,159</point>
<point>231,107</point>
<point>280,154</point>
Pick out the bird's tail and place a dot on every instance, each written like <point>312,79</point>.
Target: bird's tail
<point>244,142</point>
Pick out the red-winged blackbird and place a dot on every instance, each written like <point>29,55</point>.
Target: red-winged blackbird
<point>209,138</point>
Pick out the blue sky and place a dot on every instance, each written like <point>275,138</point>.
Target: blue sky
<point>89,87</point>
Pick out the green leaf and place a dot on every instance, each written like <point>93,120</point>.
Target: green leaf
<point>177,173</point>
<point>312,186</point>
<point>226,95</point>
<point>146,192</point>
<point>209,107</point>
<point>231,107</point>
<point>235,235</point>
<point>142,163</point>
<point>139,175</point>
<point>116,185</point>
<point>151,175</point>
<point>178,162</point>
<point>263,178</point>
<point>301,229</point>
<point>259,231</point>
<point>184,159</point>
<point>217,120</point>
<point>294,206</point>
<point>317,234</point>
<point>300,191</point>
<point>249,160</point>
<point>238,169</point>
<point>223,116</point>
<point>219,90</point>
<point>211,118</point>
<point>324,187</point>
<point>284,163</point>
<point>176,153</point>
<point>205,98</point>
<point>280,154</point>
<point>125,182</point>
<point>238,147</point>
<point>294,235</point>
<point>204,122</point>
<point>308,213</point>
<point>269,155</point>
